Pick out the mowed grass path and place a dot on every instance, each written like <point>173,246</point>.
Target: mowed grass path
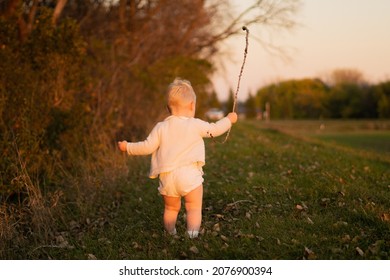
<point>267,195</point>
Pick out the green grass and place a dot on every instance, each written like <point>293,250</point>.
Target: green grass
<point>268,195</point>
<point>371,135</point>
<point>373,141</point>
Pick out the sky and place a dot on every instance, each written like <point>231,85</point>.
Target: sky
<point>332,34</point>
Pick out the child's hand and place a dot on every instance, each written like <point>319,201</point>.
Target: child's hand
<point>232,117</point>
<point>122,146</point>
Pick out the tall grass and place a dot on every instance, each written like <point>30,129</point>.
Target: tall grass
<point>33,217</point>
<point>30,219</point>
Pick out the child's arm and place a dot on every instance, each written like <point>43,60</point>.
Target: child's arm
<point>218,128</point>
<point>146,147</point>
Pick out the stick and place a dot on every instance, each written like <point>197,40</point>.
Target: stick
<point>242,67</point>
<point>239,78</point>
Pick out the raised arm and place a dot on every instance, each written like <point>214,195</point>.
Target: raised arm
<point>218,128</point>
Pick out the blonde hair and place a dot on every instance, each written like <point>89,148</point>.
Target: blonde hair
<point>180,93</point>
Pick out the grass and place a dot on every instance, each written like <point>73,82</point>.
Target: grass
<point>375,141</point>
<point>270,193</point>
<point>372,135</point>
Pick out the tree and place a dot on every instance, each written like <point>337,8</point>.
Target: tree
<point>42,116</point>
<point>309,98</point>
<point>230,102</point>
<point>349,95</point>
<point>213,101</point>
<point>270,15</point>
<point>346,76</point>
<point>295,98</point>
<point>25,12</point>
<point>250,107</point>
<point>382,95</point>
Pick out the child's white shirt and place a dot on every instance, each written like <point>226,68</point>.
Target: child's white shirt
<point>177,141</point>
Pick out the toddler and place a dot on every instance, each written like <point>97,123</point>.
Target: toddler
<point>178,154</point>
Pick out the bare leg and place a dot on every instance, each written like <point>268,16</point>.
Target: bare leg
<point>193,204</point>
<point>171,210</point>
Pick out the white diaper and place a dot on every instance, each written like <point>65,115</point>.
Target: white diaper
<point>181,181</point>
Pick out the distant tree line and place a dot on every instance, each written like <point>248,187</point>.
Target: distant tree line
<point>345,94</point>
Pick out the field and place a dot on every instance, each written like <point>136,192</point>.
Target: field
<point>365,135</point>
<point>278,190</point>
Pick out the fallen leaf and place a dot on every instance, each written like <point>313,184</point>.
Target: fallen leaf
<point>309,254</point>
<point>74,225</point>
<point>340,223</point>
<point>309,221</point>
<point>136,245</point>
<point>217,227</point>
<point>299,207</point>
<point>104,241</point>
<point>60,239</point>
<point>194,250</point>
<point>359,251</point>
<point>337,250</point>
<point>259,238</point>
<point>224,238</point>
<point>91,257</point>
<point>346,238</point>
<point>325,200</point>
<point>294,241</point>
<point>375,248</point>
<point>356,239</point>
<point>63,243</point>
<point>385,217</point>
<point>219,216</point>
